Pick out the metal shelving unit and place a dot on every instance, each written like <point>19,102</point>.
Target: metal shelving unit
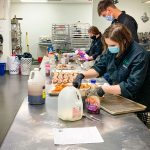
<point>144,40</point>
<point>61,36</point>
<point>79,35</point>
<point>44,44</point>
<point>16,36</point>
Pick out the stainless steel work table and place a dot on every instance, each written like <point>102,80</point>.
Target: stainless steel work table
<point>32,130</point>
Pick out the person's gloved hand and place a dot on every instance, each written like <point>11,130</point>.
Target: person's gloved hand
<point>77,81</point>
<point>100,91</point>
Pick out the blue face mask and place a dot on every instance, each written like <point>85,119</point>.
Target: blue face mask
<point>109,18</point>
<point>114,49</point>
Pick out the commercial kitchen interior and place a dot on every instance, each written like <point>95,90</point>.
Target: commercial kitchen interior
<point>37,20</point>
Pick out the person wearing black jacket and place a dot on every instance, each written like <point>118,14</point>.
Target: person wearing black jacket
<point>1,39</point>
<point>107,9</point>
<point>127,64</point>
<point>96,47</point>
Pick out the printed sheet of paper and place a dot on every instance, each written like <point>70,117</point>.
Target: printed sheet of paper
<point>77,135</point>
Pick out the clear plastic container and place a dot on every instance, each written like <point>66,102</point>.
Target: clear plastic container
<point>92,101</point>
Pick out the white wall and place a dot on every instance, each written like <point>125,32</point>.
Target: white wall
<point>133,7</point>
<point>38,18</point>
<point>5,31</point>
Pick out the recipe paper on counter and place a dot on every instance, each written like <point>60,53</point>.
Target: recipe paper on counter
<point>77,135</point>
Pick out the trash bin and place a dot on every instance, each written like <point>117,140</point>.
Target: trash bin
<point>2,68</point>
<point>26,65</point>
<point>13,64</point>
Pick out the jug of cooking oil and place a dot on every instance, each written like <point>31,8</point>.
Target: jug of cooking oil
<point>36,88</point>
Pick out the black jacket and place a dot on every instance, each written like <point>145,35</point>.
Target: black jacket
<point>129,22</point>
<point>95,48</point>
<point>144,94</point>
<point>1,39</point>
<point>131,71</point>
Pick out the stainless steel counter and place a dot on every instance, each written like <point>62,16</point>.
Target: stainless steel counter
<point>32,130</point>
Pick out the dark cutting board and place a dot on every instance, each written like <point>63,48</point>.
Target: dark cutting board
<point>119,105</point>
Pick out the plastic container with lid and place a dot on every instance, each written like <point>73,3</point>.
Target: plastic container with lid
<point>93,81</point>
<point>93,84</point>
<point>93,100</point>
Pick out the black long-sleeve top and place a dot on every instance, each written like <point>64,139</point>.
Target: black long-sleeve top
<point>96,48</point>
<point>129,22</point>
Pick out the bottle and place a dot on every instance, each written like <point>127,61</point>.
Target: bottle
<point>93,100</point>
<point>52,61</point>
<point>56,57</point>
<point>93,83</point>
<point>47,69</point>
<point>44,94</point>
<point>50,50</point>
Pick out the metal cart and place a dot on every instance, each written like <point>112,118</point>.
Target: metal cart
<point>79,35</point>
<point>61,37</point>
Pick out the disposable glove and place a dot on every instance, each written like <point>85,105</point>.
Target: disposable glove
<point>100,91</point>
<point>77,81</point>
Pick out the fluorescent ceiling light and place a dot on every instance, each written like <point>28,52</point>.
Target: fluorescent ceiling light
<point>36,1</point>
<point>146,1</point>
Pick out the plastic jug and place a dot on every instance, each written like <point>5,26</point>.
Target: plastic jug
<point>36,87</point>
<point>70,106</point>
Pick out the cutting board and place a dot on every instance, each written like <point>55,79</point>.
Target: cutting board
<point>119,105</point>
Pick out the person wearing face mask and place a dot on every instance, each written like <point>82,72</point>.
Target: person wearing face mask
<point>127,64</point>
<point>107,9</point>
<point>96,47</point>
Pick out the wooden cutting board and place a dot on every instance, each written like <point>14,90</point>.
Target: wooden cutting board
<point>119,105</point>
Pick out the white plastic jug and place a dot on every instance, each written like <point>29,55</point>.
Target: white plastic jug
<point>36,84</point>
<point>70,106</point>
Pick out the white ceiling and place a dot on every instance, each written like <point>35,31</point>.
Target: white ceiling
<point>57,1</point>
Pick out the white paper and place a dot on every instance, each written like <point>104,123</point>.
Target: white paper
<point>77,135</point>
